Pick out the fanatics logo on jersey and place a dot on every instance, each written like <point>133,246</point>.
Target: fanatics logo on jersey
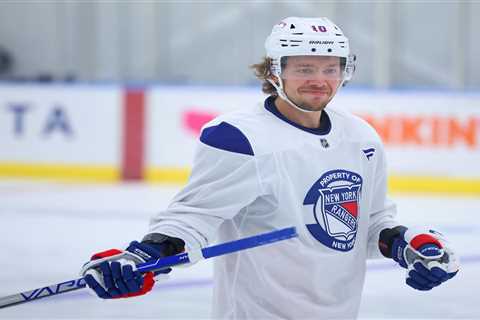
<point>334,200</point>
<point>369,153</point>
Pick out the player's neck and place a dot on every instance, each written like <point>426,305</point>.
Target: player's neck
<point>305,119</point>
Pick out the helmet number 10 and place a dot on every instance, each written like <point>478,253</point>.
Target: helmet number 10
<point>319,28</point>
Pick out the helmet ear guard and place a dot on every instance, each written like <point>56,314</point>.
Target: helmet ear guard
<point>349,70</point>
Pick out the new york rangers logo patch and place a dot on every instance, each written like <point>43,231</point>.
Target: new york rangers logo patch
<point>334,200</point>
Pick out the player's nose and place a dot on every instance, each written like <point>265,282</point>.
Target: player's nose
<point>320,83</point>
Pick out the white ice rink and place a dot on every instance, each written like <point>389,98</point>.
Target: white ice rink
<point>48,230</point>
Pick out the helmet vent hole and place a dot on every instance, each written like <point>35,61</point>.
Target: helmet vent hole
<point>292,26</point>
<point>329,49</point>
<point>313,49</point>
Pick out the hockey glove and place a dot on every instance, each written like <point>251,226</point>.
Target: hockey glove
<point>426,255</point>
<point>112,274</point>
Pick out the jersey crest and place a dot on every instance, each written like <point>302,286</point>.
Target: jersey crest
<point>334,201</point>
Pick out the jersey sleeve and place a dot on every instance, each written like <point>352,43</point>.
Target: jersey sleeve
<point>383,210</point>
<point>223,181</point>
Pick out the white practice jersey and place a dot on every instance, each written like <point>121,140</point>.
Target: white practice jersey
<point>255,171</point>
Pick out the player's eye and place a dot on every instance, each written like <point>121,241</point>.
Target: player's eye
<point>331,71</point>
<point>305,71</point>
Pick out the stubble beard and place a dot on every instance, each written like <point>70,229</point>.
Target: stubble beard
<point>314,106</point>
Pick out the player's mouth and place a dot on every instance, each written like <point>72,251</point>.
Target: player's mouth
<point>315,92</point>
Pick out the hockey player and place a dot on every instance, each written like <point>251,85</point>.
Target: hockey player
<point>288,162</point>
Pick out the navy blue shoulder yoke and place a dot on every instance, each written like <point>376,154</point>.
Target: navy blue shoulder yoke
<point>226,137</point>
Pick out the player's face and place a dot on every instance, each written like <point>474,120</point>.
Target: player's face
<point>311,81</point>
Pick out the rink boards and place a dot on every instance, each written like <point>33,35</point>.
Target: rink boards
<point>111,133</point>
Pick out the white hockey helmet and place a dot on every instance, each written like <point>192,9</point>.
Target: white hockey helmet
<point>295,36</point>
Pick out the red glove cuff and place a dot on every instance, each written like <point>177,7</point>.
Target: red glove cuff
<point>422,239</point>
<point>104,254</point>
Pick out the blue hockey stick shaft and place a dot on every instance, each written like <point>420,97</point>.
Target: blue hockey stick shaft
<point>182,258</point>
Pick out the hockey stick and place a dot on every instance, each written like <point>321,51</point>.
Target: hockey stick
<point>182,258</point>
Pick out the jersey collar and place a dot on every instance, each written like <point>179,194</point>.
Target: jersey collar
<point>323,129</point>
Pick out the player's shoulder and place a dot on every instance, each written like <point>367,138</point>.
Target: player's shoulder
<point>356,128</point>
<point>232,131</point>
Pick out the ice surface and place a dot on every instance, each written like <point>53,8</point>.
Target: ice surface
<point>48,230</point>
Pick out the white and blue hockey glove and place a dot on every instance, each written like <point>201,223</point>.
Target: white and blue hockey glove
<point>112,274</point>
<point>426,255</point>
